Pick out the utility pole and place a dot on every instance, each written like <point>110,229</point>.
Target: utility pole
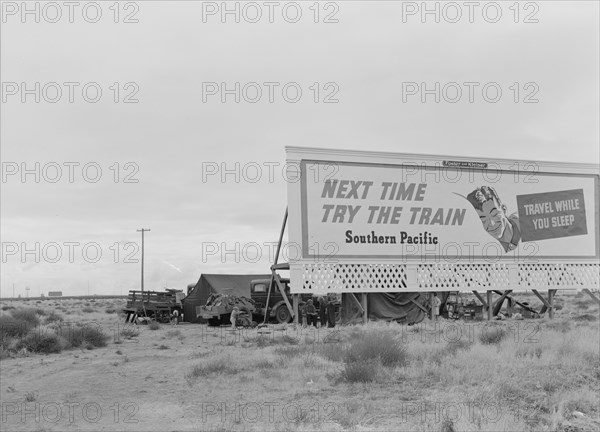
<point>142,231</point>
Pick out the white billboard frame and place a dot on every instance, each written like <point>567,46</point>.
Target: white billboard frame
<point>343,273</point>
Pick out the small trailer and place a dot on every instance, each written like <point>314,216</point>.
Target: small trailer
<point>156,305</point>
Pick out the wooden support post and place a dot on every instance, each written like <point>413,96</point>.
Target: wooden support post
<point>295,300</point>
<point>591,294</point>
<point>281,288</point>
<point>489,303</point>
<point>355,300</point>
<point>419,305</point>
<point>273,272</point>
<point>543,300</point>
<point>363,300</point>
<point>510,306</point>
<point>431,316</point>
<point>551,303</point>
<point>524,306</point>
<point>481,299</point>
<point>500,302</point>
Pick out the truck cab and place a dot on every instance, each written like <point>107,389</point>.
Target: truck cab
<point>259,289</point>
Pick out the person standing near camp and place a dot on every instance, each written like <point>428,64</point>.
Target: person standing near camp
<point>436,306</point>
<point>331,311</point>
<point>174,317</point>
<point>323,305</point>
<point>234,316</point>
<point>311,313</point>
<point>302,312</point>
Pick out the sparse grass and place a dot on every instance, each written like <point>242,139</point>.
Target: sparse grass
<point>86,336</point>
<point>562,326</point>
<point>529,350</point>
<point>40,342</point>
<point>582,304</point>
<point>492,334</point>
<point>129,332</point>
<point>26,314</point>
<point>453,347</point>
<point>330,351</point>
<point>376,345</point>
<point>30,397</point>
<point>200,355</point>
<point>154,325</point>
<point>548,368</point>
<point>216,366</point>
<point>4,353</point>
<point>289,352</point>
<point>12,327</point>
<point>287,339</point>
<point>52,317</point>
<point>264,364</point>
<point>361,371</point>
<point>88,310</point>
<point>175,334</point>
<point>263,341</point>
<point>366,355</point>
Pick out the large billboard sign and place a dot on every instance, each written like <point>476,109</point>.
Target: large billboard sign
<point>364,207</point>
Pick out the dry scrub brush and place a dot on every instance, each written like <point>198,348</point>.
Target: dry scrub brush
<point>21,332</point>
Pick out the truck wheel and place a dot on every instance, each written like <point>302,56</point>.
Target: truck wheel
<point>282,314</point>
<point>243,322</point>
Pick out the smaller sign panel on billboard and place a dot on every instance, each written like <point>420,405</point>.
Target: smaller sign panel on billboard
<point>552,215</point>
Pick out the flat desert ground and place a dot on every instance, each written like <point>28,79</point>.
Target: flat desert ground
<point>510,375</point>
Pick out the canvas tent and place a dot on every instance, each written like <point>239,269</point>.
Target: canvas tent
<point>398,307</point>
<point>238,285</point>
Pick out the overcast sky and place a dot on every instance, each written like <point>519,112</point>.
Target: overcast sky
<point>179,132</point>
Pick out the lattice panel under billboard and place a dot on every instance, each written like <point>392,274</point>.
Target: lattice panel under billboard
<point>355,277</point>
<point>558,276</point>
<point>447,277</point>
<point>454,277</point>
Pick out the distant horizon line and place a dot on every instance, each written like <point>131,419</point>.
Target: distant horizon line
<point>102,296</point>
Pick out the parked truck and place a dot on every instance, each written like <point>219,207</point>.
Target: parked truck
<point>277,306</point>
<point>218,307</point>
<point>156,305</point>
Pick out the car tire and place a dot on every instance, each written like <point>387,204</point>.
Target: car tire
<point>283,315</point>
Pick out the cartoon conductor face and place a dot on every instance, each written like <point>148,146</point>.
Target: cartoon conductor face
<point>492,214</point>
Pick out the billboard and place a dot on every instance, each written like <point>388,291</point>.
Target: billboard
<point>364,207</point>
